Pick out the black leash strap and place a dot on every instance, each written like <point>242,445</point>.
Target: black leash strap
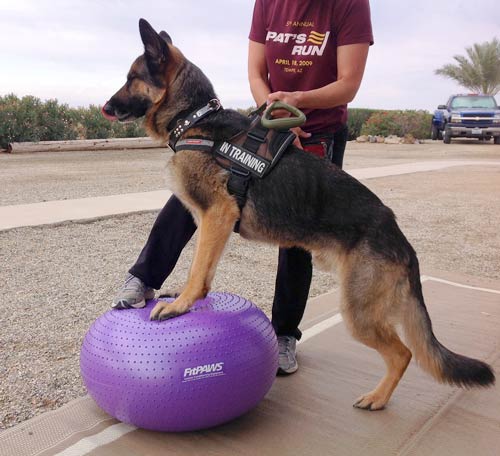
<point>259,110</point>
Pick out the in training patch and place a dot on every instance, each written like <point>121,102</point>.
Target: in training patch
<point>246,159</point>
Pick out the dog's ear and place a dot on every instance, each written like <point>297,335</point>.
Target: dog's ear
<point>155,47</point>
<point>166,36</point>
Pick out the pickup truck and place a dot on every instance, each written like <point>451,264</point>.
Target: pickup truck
<point>467,116</point>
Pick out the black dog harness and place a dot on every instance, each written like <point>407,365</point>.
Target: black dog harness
<point>249,154</point>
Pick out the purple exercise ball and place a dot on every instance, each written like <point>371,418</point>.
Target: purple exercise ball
<point>191,372</point>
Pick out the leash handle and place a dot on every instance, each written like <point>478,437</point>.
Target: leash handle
<point>283,123</point>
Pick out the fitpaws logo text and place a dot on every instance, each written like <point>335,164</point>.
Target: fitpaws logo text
<point>301,41</point>
<point>203,371</point>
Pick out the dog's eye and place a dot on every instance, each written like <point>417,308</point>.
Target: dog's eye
<point>130,79</point>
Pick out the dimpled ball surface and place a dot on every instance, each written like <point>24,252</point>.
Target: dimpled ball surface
<point>191,372</point>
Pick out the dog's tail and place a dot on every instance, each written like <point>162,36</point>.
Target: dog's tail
<point>443,364</point>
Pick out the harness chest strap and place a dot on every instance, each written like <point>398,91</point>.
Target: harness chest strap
<point>237,155</point>
<point>250,153</point>
<point>239,173</point>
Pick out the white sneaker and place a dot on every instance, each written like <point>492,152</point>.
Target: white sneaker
<point>133,294</point>
<point>287,363</point>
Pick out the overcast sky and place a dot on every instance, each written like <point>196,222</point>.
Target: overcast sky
<point>79,51</point>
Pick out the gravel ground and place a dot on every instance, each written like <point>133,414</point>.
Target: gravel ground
<point>57,279</point>
<point>37,177</point>
<point>48,176</point>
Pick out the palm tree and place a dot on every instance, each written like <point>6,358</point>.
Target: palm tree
<point>480,72</point>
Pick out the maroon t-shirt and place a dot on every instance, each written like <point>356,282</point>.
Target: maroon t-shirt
<point>301,39</point>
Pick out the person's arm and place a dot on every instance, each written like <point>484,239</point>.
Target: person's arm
<point>259,86</point>
<point>351,61</point>
<point>257,72</point>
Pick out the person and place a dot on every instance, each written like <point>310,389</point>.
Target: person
<point>311,55</point>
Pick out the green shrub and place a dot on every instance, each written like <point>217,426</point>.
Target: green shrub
<point>30,119</point>
<point>128,130</point>
<point>19,119</point>
<point>356,119</point>
<point>399,123</point>
<point>383,123</point>
<point>92,125</point>
<point>416,124</point>
<point>56,122</point>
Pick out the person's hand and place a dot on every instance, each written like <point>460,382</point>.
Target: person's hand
<point>290,98</point>
<point>300,134</point>
<point>285,97</point>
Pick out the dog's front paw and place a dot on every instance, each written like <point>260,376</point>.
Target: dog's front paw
<point>171,293</point>
<point>371,401</point>
<point>165,310</point>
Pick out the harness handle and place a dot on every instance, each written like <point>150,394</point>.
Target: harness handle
<point>282,123</point>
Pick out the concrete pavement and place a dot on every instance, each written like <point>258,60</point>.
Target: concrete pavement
<point>50,212</point>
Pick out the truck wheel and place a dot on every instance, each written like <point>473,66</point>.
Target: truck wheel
<point>496,139</point>
<point>447,136</point>
<point>434,133</point>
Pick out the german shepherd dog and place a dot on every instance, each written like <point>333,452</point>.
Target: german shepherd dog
<point>304,202</point>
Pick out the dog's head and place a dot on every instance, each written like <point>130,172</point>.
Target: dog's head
<point>147,78</point>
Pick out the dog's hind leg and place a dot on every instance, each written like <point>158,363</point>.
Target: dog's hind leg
<point>370,308</point>
<point>215,226</point>
<point>396,356</point>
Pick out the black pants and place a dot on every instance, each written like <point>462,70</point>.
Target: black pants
<point>174,227</point>
<point>294,275</point>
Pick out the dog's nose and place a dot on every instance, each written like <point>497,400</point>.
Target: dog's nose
<point>108,111</point>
